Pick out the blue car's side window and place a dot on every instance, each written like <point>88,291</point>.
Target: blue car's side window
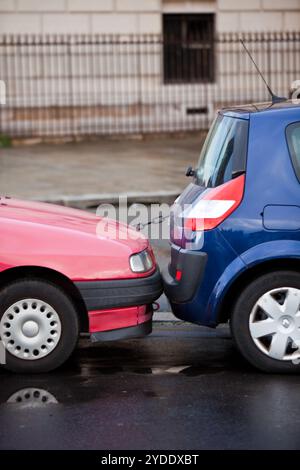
<point>293,139</point>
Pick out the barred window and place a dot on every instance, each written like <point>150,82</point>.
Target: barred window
<point>188,48</point>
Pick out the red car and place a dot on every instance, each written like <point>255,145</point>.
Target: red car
<point>61,273</point>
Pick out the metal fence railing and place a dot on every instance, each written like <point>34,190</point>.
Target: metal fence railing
<point>103,85</point>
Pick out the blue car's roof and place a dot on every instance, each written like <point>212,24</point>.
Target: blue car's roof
<point>244,110</point>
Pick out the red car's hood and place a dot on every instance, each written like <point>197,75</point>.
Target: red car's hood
<point>71,219</point>
<point>43,229</point>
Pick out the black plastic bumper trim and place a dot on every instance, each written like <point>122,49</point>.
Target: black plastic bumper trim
<point>192,265</point>
<point>100,295</point>
<point>143,329</point>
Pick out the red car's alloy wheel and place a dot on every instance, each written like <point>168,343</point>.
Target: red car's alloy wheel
<point>30,329</point>
<point>39,325</point>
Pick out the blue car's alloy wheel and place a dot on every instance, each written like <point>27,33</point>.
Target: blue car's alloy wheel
<point>266,322</point>
<point>275,324</point>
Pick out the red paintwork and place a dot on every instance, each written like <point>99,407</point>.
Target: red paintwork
<point>104,320</point>
<point>73,243</point>
<point>66,240</point>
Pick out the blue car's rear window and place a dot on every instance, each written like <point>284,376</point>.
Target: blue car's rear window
<point>293,138</point>
<point>224,152</point>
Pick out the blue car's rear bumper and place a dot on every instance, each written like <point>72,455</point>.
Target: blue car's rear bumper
<point>184,274</point>
<point>195,296</point>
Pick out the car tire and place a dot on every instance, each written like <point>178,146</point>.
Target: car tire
<point>269,346</point>
<point>39,326</point>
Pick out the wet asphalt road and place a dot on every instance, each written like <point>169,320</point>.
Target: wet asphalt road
<point>183,387</point>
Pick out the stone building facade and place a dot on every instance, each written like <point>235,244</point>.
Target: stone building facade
<point>135,66</point>
<point>142,16</point>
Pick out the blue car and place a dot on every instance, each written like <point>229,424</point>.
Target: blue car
<point>235,234</point>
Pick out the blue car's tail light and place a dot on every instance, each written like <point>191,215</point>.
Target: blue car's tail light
<point>214,206</point>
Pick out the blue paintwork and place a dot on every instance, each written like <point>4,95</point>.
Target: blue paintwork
<point>266,225</point>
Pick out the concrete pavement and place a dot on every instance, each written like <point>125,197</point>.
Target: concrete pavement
<point>86,173</point>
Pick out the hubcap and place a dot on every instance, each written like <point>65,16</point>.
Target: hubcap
<point>32,397</point>
<point>285,323</point>
<point>274,324</point>
<point>30,329</point>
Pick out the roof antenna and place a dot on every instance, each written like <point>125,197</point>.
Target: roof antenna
<point>275,98</point>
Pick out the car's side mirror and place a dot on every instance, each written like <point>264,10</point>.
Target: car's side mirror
<point>190,171</point>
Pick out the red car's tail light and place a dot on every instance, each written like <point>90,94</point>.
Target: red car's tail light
<point>215,205</point>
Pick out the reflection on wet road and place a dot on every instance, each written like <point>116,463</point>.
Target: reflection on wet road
<point>184,387</point>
